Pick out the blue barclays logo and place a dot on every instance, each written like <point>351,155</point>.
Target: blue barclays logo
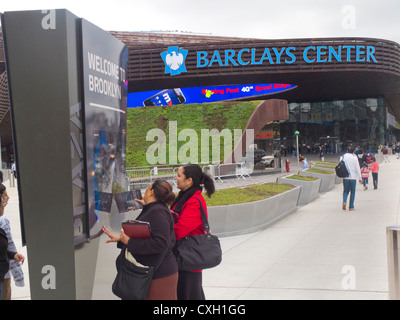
<point>174,59</point>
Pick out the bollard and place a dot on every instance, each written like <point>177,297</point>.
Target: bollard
<point>393,251</point>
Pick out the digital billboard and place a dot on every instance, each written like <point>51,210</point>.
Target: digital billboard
<point>206,94</point>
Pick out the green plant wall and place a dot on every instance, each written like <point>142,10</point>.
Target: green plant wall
<point>221,115</point>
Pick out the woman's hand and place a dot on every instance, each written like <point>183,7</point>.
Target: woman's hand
<point>113,237</point>
<point>124,238</point>
<point>116,238</point>
<point>141,201</point>
<point>19,258</point>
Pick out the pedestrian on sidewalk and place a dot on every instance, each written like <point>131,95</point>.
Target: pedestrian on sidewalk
<point>15,271</point>
<point>304,163</point>
<point>147,251</point>
<point>365,175</point>
<point>385,152</point>
<point>6,255</point>
<point>350,182</point>
<point>375,170</point>
<point>321,154</point>
<point>14,169</point>
<point>397,150</point>
<point>190,181</point>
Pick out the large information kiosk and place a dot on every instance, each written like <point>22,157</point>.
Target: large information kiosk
<point>68,94</point>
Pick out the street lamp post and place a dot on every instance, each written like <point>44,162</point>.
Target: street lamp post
<point>297,133</point>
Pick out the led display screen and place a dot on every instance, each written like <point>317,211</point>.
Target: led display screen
<point>203,94</point>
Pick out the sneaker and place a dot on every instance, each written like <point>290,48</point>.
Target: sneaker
<point>344,206</point>
<point>351,209</point>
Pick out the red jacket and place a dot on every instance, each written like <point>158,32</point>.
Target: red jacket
<point>375,167</point>
<point>190,222</point>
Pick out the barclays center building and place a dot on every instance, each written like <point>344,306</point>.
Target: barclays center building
<point>337,91</point>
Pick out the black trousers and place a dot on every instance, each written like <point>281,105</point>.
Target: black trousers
<point>190,286</point>
<point>375,179</point>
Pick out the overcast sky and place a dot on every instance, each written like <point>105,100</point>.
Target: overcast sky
<point>263,19</point>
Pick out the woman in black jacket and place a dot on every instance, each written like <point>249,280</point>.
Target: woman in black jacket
<point>5,255</point>
<point>146,251</point>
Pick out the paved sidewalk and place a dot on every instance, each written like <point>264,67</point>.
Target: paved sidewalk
<point>318,252</point>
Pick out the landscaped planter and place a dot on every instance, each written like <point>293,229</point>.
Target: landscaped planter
<point>327,180</point>
<point>337,179</point>
<point>250,217</point>
<point>309,189</point>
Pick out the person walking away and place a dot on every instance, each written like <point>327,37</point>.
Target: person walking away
<point>5,254</point>
<point>147,251</point>
<point>385,153</point>
<point>365,175</point>
<point>397,150</point>
<point>321,154</point>
<point>350,182</point>
<point>368,157</point>
<point>190,180</point>
<point>14,170</point>
<point>375,170</point>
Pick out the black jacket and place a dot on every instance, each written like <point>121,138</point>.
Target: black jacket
<point>147,251</point>
<point>5,255</point>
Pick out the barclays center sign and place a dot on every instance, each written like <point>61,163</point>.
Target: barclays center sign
<point>175,57</point>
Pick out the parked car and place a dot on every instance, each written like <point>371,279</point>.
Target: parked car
<point>259,157</point>
<point>268,161</point>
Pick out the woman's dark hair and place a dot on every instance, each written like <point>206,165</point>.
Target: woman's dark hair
<point>163,191</point>
<point>2,189</point>
<point>199,178</point>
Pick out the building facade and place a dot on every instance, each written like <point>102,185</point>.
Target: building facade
<point>342,90</point>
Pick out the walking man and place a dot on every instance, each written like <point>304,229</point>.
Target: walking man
<point>385,152</point>
<point>397,150</point>
<point>350,182</point>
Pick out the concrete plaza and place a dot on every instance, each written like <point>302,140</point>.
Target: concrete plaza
<point>318,252</point>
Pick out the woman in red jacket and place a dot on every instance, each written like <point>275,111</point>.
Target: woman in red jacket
<point>191,180</point>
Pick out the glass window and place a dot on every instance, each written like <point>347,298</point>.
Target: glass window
<point>358,122</point>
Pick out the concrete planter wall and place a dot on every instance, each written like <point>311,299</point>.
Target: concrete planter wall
<point>337,179</point>
<point>327,180</point>
<point>252,216</point>
<point>309,189</point>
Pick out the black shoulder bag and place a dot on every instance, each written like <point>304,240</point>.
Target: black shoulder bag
<point>133,280</point>
<point>199,251</point>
